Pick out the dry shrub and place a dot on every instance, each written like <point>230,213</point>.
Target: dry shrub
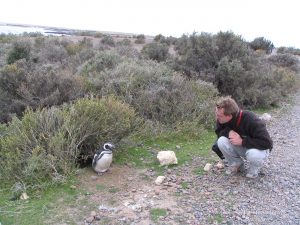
<point>24,84</point>
<point>156,51</point>
<point>20,50</point>
<point>268,86</point>
<point>285,60</point>
<point>103,61</point>
<point>157,92</point>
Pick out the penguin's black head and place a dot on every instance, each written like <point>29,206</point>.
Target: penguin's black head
<point>108,146</point>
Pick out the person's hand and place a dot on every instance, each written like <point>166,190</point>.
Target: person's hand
<point>235,138</point>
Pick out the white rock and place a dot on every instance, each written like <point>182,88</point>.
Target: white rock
<point>167,158</point>
<point>159,180</point>
<point>207,167</point>
<point>266,117</point>
<point>24,196</point>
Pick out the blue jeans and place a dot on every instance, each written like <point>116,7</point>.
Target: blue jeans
<point>235,155</point>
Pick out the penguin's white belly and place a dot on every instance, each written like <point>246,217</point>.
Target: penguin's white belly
<point>104,163</point>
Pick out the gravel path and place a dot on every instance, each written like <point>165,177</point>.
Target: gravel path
<point>273,198</point>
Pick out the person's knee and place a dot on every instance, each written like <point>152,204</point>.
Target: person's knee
<point>222,142</point>
<point>255,156</point>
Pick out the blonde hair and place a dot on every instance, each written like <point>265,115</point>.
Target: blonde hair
<point>228,104</point>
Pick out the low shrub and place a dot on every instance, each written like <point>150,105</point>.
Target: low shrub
<point>263,86</point>
<point>103,61</point>
<point>290,50</point>
<point>156,51</point>
<point>46,144</point>
<point>258,87</point>
<point>108,40</point>
<point>156,91</point>
<point>260,43</point>
<point>128,51</point>
<point>20,50</point>
<point>24,84</point>
<point>73,48</point>
<point>140,39</point>
<point>285,60</point>
<point>124,42</point>
<point>92,122</point>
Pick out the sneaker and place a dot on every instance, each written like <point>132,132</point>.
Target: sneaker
<point>231,170</point>
<point>225,162</point>
<point>252,176</point>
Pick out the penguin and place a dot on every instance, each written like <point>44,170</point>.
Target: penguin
<point>103,158</point>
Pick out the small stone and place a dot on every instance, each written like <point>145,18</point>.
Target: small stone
<point>94,177</point>
<point>159,180</point>
<point>93,214</point>
<point>24,196</point>
<point>207,167</point>
<point>89,219</point>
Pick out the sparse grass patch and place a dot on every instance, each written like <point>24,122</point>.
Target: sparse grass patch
<point>199,171</point>
<point>216,218</point>
<point>145,177</point>
<point>155,213</point>
<point>39,208</point>
<point>100,187</point>
<point>113,190</point>
<point>145,155</point>
<point>184,185</point>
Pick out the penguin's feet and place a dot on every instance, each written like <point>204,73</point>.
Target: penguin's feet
<point>100,173</point>
<point>108,170</point>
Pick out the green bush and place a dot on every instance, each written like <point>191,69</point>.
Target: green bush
<point>108,40</point>
<point>124,42</point>
<point>46,144</point>
<point>20,50</point>
<point>103,61</point>
<point>94,121</point>
<point>261,43</point>
<point>163,40</point>
<point>262,86</point>
<point>140,39</point>
<point>156,51</point>
<point>199,54</point>
<point>226,60</point>
<point>128,51</point>
<point>33,148</point>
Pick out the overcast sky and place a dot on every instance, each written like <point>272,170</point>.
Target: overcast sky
<point>277,21</point>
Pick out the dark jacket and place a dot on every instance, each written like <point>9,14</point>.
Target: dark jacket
<point>251,128</point>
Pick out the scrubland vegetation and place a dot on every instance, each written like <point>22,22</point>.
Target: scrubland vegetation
<point>61,97</point>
